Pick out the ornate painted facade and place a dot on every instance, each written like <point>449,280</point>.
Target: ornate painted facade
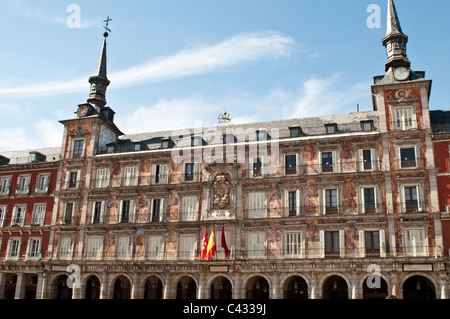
<point>339,206</point>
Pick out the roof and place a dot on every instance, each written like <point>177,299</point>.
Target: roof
<point>52,154</point>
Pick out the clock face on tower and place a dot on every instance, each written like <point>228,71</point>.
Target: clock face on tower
<point>401,73</point>
<point>82,110</point>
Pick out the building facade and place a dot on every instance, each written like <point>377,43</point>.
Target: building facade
<point>339,206</point>
<point>27,186</point>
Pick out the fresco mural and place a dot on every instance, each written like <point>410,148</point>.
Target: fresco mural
<point>112,210</point>
<point>348,158</point>
<point>173,206</point>
<point>274,241</point>
<point>142,210</point>
<point>109,245</point>
<point>274,201</point>
<point>139,244</point>
<point>171,244</point>
<point>311,198</point>
<point>312,239</point>
<point>309,160</point>
<point>349,197</point>
<point>351,239</point>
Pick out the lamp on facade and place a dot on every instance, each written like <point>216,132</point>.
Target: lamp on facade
<point>418,285</point>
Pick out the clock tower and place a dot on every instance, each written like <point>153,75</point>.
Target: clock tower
<point>401,100</point>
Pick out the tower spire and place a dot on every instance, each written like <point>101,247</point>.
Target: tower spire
<point>395,40</point>
<point>99,81</point>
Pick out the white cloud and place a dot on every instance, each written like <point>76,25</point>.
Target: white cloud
<point>236,50</point>
<point>331,95</point>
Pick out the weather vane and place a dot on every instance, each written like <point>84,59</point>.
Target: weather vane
<point>106,26</point>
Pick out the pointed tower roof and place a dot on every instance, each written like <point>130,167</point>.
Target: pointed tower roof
<point>393,23</point>
<point>99,80</point>
<point>101,65</point>
<point>395,41</point>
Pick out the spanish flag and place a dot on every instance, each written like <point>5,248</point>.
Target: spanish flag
<point>210,251</point>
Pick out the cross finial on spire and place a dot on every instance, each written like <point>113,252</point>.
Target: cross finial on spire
<point>106,26</point>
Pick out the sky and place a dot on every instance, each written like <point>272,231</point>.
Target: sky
<point>179,64</point>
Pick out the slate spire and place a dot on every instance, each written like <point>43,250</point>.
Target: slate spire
<point>99,81</point>
<point>395,40</point>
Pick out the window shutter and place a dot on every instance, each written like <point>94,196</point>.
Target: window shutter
<point>341,243</point>
<point>362,244</point>
<point>382,243</point>
<point>322,243</point>
<point>163,173</point>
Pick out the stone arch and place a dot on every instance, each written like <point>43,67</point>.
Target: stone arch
<point>59,288</point>
<point>286,282</point>
<point>325,280</point>
<point>153,286</point>
<point>225,292</point>
<point>379,291</point>
<point>255,288</point>
<point>186,286</point>
<point>90,289</point>
<point>122,289</point>
<point>418,274</point>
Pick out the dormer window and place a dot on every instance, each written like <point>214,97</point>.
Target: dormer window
<point>331,128</point>
<point>367,125</point>
<point>196,141</point>
<point>295,131</point>
<point>165,144</point>
<point>261,135</point>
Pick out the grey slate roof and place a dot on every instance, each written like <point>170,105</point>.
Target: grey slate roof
<point>21,156</point>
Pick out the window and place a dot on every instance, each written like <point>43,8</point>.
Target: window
<point>78,148</point>
<point>2,214</point>
<point>256,167</point>
<point>94,248</point>
<point>165,144</point>
<point>130,176</point>
<point>261,135</point>
<point>65,247</point>
<point>18,217</point>
<point>23,184</point>
<point>291,164</point>
<point>372,243</point>
<point>408,157</point>
<point>102,178</point>
<point>256,205</point>
<point>42,183</point>
<point>295,131</point>
<point>256,245</point>
<point>411,200</point>
<point>327,162</point>
<point>160,173</point>
<point>98,211</point>
<point>14,248</point>
<point>293,245</point>
<point>367,125</point>
<point>34,248</point>
<point>196,141</point>
<point>125,210</point>
<point>156,210</point>
<point>155,247</point>
<point>38,214</point>
<point>331,201</point>
<point>189,208</point>
<point>331,128</point>
<point>292,203</point>
<point>73,179</point>
<point>187,247</point>
<point>332,243</point>
<point>367,160</point>
<point>5,183</point>
<point>369,200</point>
<point>416,242</point>
<point>124,247</point>
<point>189,172</point>
<point>403,118</point>
<point>68,213</point>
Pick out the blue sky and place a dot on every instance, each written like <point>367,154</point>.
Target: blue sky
<point>178,63</point>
